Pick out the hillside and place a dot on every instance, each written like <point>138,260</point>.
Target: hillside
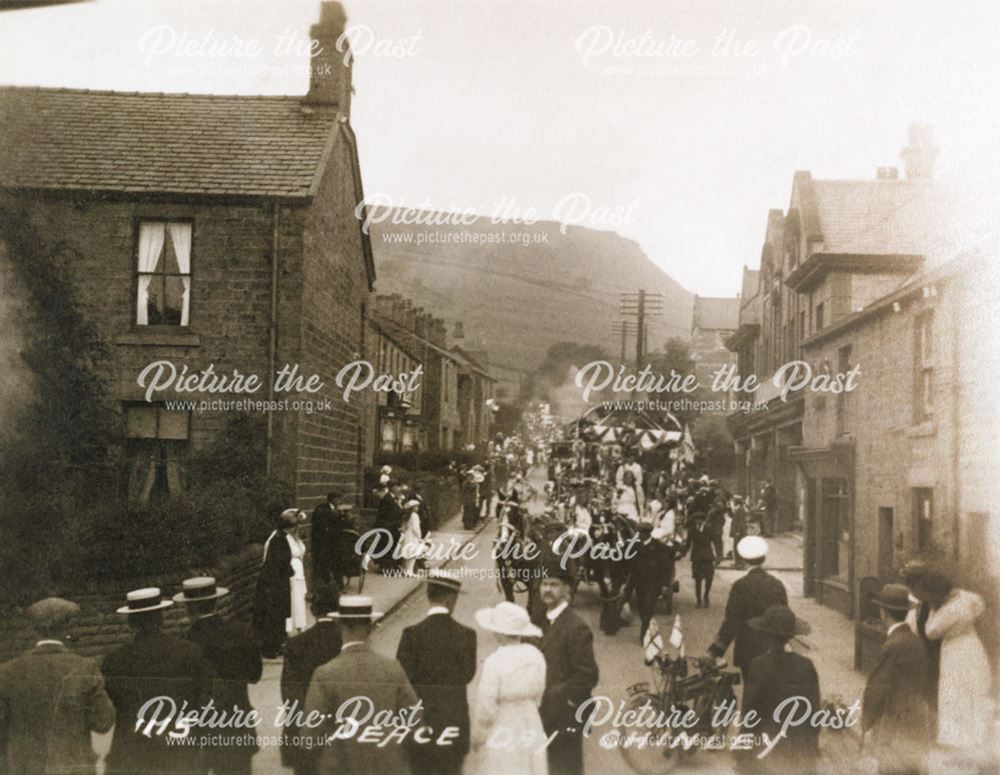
<point>514,299</point>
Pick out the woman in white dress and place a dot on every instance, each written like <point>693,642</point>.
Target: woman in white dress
<point>299,619</point>
<point>964,707</point>
<point>629,498</point>
<point>507,733</point>
<point>409,539</point>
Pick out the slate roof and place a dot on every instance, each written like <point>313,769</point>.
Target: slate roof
<point>137,142</point>
<point>867,217</point>
<point>719,314</point>
<point>751,279</point>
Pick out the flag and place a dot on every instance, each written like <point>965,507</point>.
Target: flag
<point>652,642</point>
<point>687,446</point>
<point>677,635</point>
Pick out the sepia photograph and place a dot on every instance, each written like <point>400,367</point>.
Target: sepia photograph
<point>499,387</point>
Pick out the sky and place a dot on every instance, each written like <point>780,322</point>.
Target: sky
<point>677,123</point>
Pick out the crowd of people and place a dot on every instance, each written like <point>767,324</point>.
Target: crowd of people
<point>927,696</point>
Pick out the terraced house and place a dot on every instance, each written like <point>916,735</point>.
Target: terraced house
<point>211,231</point>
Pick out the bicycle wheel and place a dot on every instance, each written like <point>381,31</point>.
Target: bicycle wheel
<point>648,751</point>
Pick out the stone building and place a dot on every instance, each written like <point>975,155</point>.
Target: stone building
<point>210,231</point>
<point>828,255</point>
<point>400,424</point>
<point>425,337</point>
<point>475,390</point>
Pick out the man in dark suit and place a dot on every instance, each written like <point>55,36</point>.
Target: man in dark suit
<point>327,520</point>
<point>749,596</point>
<point>895,708</point>
<point>772,678</point>
<point>153,665</point>
<point>570,671</point>
<point>439,657</point>
<point>359,672</point>
<point>232,650</point>
<point>303,654</point>
<point>388,516</point>
<point>650,573</point>
<point>51,700</point>
<point>703,543</point>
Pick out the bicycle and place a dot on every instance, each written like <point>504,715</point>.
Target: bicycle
<point>676,690</point>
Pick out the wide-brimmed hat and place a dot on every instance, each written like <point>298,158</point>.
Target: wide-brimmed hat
<point>752,548</point>
<point>356,607</point>
<point>147,599</point>
<point>52,612</point>
<point>444,578</point>
<point>895,597</point>
<point>292,517</point>
<point>932,587</point>
<point>385,470</point>
<point>199,588</point>
<point>507,619</point>
<point>413,503</point>
<point>780,620</point>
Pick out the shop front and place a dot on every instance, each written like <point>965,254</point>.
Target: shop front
<point>826,497</point>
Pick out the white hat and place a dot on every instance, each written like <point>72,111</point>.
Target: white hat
<point>147,599</point>
<point>412,503</point>
<point>386,470</point>
<point>356,607</point>
<point>752,547</point>
<point>384,479</point>
<point>199,588</point>
<point>507,619</point>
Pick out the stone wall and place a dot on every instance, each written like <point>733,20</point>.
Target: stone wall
<point>99,629</point>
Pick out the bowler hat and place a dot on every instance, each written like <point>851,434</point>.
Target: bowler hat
<point>895,597</point>
<point>52,612</point>
<point>199,588</point>
<point>779,620</point>
<point>553,569</point>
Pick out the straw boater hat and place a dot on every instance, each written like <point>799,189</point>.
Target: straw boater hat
<point>148,599</point>
<point>199,588</point>
<point>507,619</point>
<point>445,578</point>
<point>779,620</point>
<point>356,607</point>
<point>752,547</point>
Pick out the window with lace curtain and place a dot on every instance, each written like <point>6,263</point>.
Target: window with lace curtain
<point>157,448</point>
<point>163,273</point>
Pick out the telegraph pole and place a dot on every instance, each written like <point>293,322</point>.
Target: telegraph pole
<point>623,328</point>
<point>640,305</point>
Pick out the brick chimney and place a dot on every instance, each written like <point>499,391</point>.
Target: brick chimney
<point>330,74</point>
<point>919,156</point>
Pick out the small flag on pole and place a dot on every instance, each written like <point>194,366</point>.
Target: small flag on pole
<point>652,642</point>
<point>677,635</point>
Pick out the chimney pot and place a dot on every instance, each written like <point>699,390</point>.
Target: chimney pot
<point>330,66</point>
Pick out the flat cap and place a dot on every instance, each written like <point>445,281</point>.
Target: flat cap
<point>52,612</point>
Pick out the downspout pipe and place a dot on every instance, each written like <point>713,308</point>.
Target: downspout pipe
<point>272,329</point>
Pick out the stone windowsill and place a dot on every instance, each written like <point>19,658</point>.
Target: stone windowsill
<point>923,429</point>
<point>159,338</point>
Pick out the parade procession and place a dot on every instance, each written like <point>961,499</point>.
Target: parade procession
<point>428,387</point>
